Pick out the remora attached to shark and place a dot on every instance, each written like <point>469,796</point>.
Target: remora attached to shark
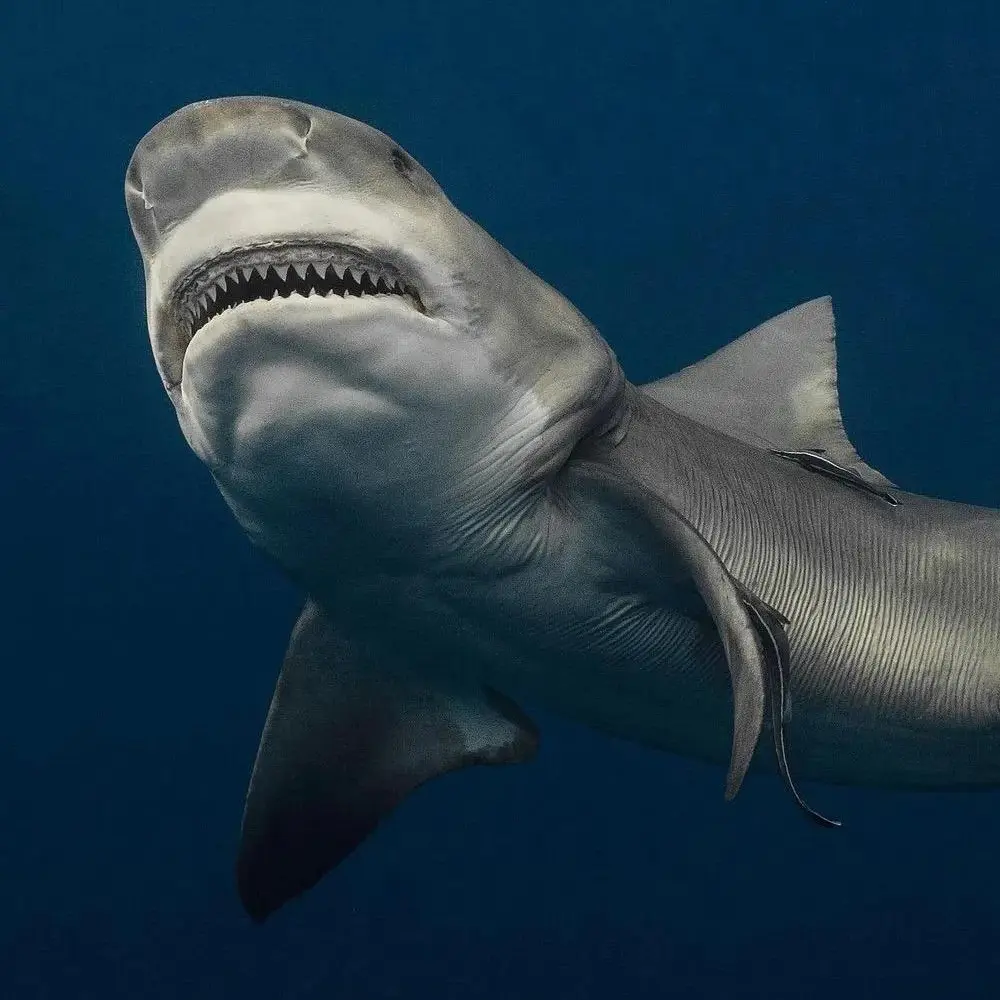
<point>448,459</point>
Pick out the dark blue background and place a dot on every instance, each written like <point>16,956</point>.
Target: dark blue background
<point>681,171</point>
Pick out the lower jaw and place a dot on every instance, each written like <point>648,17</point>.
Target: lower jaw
<point>311,309</point>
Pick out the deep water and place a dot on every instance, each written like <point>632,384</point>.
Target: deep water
<point>681,171</point>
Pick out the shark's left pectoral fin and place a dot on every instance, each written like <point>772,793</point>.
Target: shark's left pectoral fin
<point>345,741</point>
<point>629,504</point>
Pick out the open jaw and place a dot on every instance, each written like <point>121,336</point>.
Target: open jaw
<point>282,268</point>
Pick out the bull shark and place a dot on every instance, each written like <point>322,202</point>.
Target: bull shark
<point>482,510</point>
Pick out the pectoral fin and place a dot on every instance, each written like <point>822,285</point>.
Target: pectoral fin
<point>344,742</point>
<point>680,544</point>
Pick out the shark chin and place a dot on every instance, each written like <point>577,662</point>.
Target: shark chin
<point>481,509</point>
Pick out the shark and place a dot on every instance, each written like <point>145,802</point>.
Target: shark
<point>483,512</point>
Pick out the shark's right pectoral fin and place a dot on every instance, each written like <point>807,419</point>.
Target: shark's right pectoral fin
<point>682,550</point>
<point>752,632</point>
<point>345,741</point>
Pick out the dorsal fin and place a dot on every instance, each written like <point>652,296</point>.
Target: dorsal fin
<point>775,387</point>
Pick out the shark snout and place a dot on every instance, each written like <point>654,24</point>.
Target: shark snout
<point>226,196</point>
<point>208,148</point>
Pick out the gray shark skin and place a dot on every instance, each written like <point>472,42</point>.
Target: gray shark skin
<point>481,509</point>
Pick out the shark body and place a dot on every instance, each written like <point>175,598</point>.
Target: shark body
<point>448,459</point>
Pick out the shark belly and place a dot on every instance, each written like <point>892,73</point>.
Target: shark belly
<point>650,674</point>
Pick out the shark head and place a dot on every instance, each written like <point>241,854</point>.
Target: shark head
<point>337,337</point>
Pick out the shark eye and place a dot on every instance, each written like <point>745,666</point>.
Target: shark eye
<point>402,163</point>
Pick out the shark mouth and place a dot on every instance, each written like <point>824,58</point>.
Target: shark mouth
<point>283,269</point>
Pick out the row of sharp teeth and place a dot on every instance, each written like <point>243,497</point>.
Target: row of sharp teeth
<point>197,309</point>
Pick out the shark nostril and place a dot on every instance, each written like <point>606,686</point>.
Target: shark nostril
<point>402,163</point>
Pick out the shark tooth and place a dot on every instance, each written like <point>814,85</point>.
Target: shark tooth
<point>300,269</point>
<point>281,270</point>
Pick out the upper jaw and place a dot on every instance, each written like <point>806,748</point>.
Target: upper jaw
<point>283,268</point>
<point>305,225</point>
<point>269,269</point>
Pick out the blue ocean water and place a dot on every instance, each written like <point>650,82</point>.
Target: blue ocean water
<point>681,172</point>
